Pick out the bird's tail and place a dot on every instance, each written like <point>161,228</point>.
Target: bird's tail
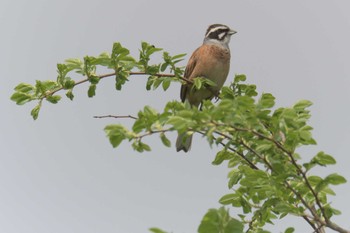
<point>183,142</point>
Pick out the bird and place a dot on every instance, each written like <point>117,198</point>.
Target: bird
<point>212,61</point>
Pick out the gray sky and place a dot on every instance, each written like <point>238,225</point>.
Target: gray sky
<point>60,174</point>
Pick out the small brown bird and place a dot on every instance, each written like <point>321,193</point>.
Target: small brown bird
<point>212,61</point>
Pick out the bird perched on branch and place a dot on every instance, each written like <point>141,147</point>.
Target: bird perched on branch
<point>212,61</point>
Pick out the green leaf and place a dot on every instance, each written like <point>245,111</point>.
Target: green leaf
<point>234,226</point>
<point>140,146</point>
<point>335,179</point>
<point>306,137</point>
<point>156,230</point>
<point>165,140</point>
<point>179,123</point>
<point>157,82</point>
<point>119,51</point>
<point>94,79</point>
<point>21,98</point>
<point>222,156</point>
<point>43,86</point>
<point>178,56</point>
<point>289,230</point>
<point>35,111</point>
<point>219,220</point>
<point>302,104</point>
<point>166,83</point>
<point>116,134</point>
<point>53,98</point>
<point>235,175</point>
<point>68,83</point>
<point>323,159</point>
<point>163,67</point>
<point>330,211</point>
<point>150,82</point>
<point>149,111</point>
<point>239,78</point>
<point>197,83</point>
<point>232,198</point>
<point>69,94</point>
<point>24,88</point>
<point>267,100</point>
<point>92,90</point>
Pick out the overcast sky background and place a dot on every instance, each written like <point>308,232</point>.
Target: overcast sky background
<point>60,174</point>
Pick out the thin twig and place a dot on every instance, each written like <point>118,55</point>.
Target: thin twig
<point>152,132</point>
<point>116,116</point>
<point>252,165</point>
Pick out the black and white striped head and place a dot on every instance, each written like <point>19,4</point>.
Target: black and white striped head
<point>218,34</point>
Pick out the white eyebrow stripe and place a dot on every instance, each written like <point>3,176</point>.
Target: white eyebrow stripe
<point>215,29</point>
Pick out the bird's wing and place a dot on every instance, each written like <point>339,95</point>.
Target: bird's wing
<point>188,74</point>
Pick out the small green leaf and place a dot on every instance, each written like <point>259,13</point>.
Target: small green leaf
<point>157,82</point>
<point>231,198</point>
<point>289,230</point>
<point>94,79</point>
<point>73,63</point>
<point>21,98</point>
<point>323,159</point>
<point>68,83</point>
<point>178,56</point>
<point>156,230</point>
<point>92,90</point>
<point>209,82</point>
<point>53,98</point>
<point>140,146</point>
<point>24,87</point>
<point>330,211</point>
<point>222,156</point>
<point>43,86</point>
<point>69,94</point>
<point>302,104</point>
<point>219,220</point>
<point>165,140</point>
<point>35,111</point>
<point>267,100</point>
<point>335,179</point>
<point>163,67</point>
<point>197,83</point>
<point>179,123</point>
<point>150,82</point>
<point>166,83</point>
<point>240,78</point>
<point>235,175</point>
<point>116,134</point>
<point>234,226</point>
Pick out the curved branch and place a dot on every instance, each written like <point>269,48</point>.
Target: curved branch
<point>113,74</point>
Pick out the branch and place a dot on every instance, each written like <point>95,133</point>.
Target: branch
<point>252,165</point>
<point>114,116</point>
<point>152,132</point>
<point>113,74</point>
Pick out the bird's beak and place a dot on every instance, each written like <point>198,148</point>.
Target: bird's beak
<point>231,32</point>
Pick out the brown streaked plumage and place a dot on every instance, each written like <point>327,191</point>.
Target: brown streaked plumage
<point>211,61</point>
